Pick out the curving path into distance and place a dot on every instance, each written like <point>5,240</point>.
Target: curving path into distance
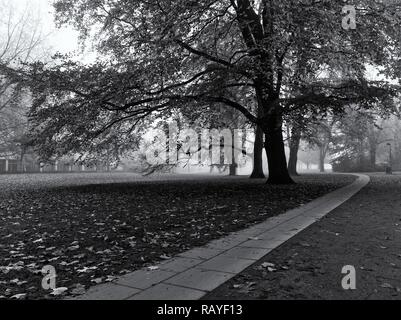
<point>193,274</point>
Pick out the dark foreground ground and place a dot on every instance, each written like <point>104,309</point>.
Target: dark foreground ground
<point>93,227</point>
<point>364,232</point>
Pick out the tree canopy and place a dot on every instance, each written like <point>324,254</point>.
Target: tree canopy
<point>155,56</point>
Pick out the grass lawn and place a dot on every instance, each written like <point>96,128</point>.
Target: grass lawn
<point>93,227</point>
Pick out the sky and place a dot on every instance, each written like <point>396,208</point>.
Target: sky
<point>64,40</point>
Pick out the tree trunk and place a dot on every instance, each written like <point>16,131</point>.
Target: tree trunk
<point>274,142</point>
<point>257,172</point>
<point>22,164</point>
<point>233,170</point>
<point>275,150</point>
<point>373,156</point>
<point>373,142</point>
<point>294,147</point>
<point>322,157</point>
<point>361,152</point>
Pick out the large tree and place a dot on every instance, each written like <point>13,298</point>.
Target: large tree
<point>165,54</point>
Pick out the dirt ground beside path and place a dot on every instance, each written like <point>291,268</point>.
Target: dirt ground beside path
<point>365,232</point>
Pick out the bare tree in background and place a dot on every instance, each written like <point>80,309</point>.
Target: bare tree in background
<point>21,41</point>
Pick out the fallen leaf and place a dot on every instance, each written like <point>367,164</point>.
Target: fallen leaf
<point>153,268</point>
<point>78,290</point>
<point>59,291</point>
<point>267,265</point>
<point>304,244</point>
<point>97,280</point>
<point>19,296</point>
<point>110,278</point>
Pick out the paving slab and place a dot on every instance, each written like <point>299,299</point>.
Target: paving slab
<point>200,279</point>
<point>180,264</point>
<point>227,243</point>
<point>168,292</point>
<point>252,231</point>
<point>144,279</point>
<point>108,291</point>
<point>246,253</point>
<point>226,264</point>
<point>283,232</point>
<point>262,244</point>
<point>201,253</point>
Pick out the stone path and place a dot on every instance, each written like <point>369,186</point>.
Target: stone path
<point>192,274</point>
